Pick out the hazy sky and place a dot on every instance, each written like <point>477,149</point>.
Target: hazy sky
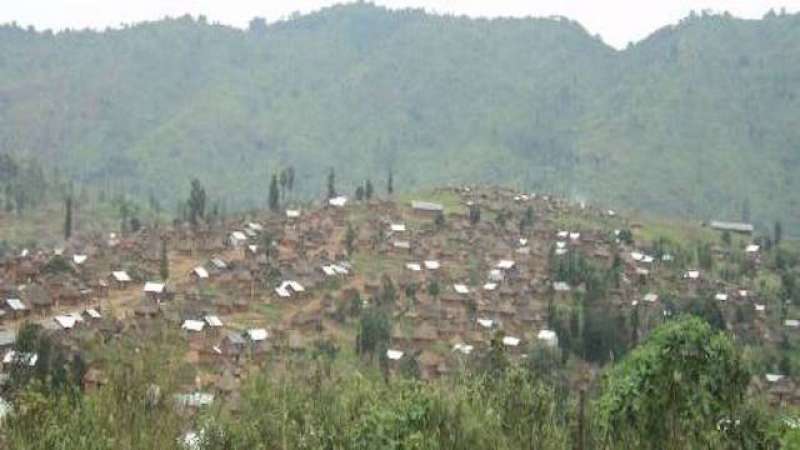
<point>617,21</point>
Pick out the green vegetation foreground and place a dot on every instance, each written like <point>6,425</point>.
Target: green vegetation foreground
<point>684,387</point>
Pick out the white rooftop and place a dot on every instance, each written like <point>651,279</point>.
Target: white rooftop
<point>561,286</point>
<point>414,267</point>
<point>339,201</point>
<point>292,213</point>
<point>193,325</point>
<point>257,334</point>
<point>463,348</point>
<point>548,336</point>
<point>213,321</point>
<point>79,259</point>
<point>394,355</point>
<point>461,288</point>
<point>26,358</point>
<point>121,276</point>
<point>505,264</point>
<point>16,305</point>
<point>398,227</point>
<point>432,265</point>
<point>154,288</point>
<point>510,341</point>
<point>201,272</point>
<point>486,323</point>
<point>66,321</point>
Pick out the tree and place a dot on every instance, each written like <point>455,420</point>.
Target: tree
<point>368,189</point>
<point>349,239</point>
<point>726,238</point>
<point>373,332</point>
<point>258,26</point>
<point>411,293</point>
<point>331,184</point>
<point>68,218</point>
<point>778,233</point>
<point>290,178</point>
<point>390,184</point>
<point>164,264</point>
<point>672,391</point>
<point>284,181</point>
<point>274,195</point>
<point>359,194</point>
<point>474,214</point>
<point>197,202</point>
<point>439,220</point>
<point>433,289</point>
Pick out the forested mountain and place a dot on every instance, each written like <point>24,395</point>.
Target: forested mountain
<point>700,119</point>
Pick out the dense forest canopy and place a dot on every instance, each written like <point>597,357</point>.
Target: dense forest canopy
<point>700,119</point>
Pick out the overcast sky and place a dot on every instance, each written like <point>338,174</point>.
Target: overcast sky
<point>617,21</point>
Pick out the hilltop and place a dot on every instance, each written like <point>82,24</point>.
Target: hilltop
<point>699,120</point>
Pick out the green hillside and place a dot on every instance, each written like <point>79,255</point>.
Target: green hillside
<point>701,119</point>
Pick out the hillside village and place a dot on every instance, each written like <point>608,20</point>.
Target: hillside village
<point>459,270</point>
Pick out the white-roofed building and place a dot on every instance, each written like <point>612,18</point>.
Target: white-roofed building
<point>338,202</point>
<point>511,341</point>
<point>394,355</point>
<point>461,289</point>
<point>66,322</point>
<point>489,286</point>
<point>193,325</point>
<point>79,259</point>
<point>155,288</point>
<point>650,297</point>
<point>505,264</point>
<point>292,213</point>
<point>721,297</point>
<point>257,334</point>
<point>496,275</point>
<point>93,313</point>
<point>397,227</point>
<point>463,348</point>
<point>752,248</point>
<point>486,323</point>
<point>405,245</point>
<point>432,265</point>
<point>561,286</point>
<point>213,321</point>
<point>25,358</point>
<point>414,267</point>
<point>121,276</point>
<point>200,272</point>
<point>237,238</point>
<point>549,337</point>
<point>16,304</point>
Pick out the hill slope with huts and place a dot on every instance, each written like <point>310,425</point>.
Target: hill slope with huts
<point>431,287</point>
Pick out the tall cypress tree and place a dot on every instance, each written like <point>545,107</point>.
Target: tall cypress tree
<point>390,184</point>
<point>331,184</point>
<point>68,218</point>
<point>164,266</point>
<point>368,189</point>
<point>274,195</point>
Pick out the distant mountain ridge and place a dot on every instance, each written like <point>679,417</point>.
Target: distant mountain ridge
<point>701,119</point>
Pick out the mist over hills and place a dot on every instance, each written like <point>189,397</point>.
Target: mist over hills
<point>701,119</point>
